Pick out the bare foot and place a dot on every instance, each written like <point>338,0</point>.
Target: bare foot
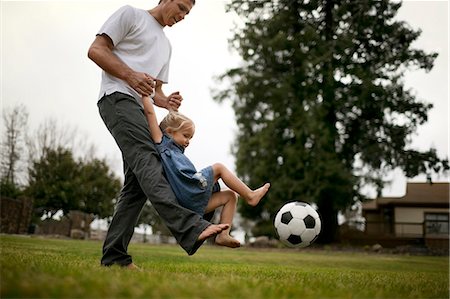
<point>133,267</point>
<point>224,239</point>
<point>212,230</point>
<point>258,194</point>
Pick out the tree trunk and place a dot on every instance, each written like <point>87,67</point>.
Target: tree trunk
<point>328,217</point>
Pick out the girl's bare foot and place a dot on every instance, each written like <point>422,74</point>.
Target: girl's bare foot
<point>212,230</point>
<point>256,195</point>
<point>224,239</point>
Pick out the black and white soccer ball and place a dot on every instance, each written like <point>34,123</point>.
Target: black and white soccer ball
<point>297,224</point>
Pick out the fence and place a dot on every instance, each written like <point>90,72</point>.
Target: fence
<point>15,215</point>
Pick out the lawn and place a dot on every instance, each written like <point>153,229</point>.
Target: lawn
<point>34,267</point>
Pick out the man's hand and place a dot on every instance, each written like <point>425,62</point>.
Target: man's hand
<point>143,83</point>
<point>101,52</point>
<point>171,102</point>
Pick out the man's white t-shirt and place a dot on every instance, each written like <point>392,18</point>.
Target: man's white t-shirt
<point>139,41</point>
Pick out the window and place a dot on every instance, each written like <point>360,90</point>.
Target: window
<point>436,223</point>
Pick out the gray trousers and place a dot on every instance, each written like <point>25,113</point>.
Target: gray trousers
<point>144,178</point>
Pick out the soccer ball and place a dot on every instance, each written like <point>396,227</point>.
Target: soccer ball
<point>297,224</point>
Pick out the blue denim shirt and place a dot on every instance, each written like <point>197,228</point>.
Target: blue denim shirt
<point>192,188</point>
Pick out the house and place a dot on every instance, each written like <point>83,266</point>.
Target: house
<point>421,216</point>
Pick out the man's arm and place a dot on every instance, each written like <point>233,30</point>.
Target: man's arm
<point>155,130</point>
<point>171,102</point>
<point>101,52</point>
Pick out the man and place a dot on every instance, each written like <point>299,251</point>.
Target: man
<point>134,53</point>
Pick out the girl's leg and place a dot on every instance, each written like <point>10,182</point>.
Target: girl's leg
<point>252,197</point>
<point>228,200</point>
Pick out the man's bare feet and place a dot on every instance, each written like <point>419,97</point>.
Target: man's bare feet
<point>212,230</point>
<point>256,195</point>
<point>224,239</point>
<point>132,266</point>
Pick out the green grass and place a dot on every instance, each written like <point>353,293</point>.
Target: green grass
<point>52,268</point>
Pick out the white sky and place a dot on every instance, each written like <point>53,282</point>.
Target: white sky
<point>44,66</point>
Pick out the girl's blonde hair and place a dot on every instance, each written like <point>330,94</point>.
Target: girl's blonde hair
<point>175,121</point>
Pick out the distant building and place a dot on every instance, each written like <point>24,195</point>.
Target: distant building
<point>421,216</point>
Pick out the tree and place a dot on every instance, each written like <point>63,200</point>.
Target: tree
<point>52,135</point>
<point>59,182</point>
<point>44,167</point>
<point>99,188</point>
<point>54,182</point>
<point>320,103</point>
<point>8,189</point>
<point>150,217</point>
<point>15,120</point>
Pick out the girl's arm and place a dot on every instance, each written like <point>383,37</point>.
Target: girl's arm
<point>149,110</point>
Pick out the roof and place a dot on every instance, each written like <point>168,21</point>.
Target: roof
<point>417,194</point>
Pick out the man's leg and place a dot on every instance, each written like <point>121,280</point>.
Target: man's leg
<point>126,215</point>
<point>126,121</point>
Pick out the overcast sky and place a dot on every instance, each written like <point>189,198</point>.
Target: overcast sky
<point>44,66</point>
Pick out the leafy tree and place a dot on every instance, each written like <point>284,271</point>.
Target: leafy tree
<point>320,103</point>
<point>9,189</point>
<point>150,216</point>
<point>54,182</point>
<point>59,182</point>
<point>99,188</point>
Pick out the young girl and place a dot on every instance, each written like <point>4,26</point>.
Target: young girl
<point>194,189</point>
